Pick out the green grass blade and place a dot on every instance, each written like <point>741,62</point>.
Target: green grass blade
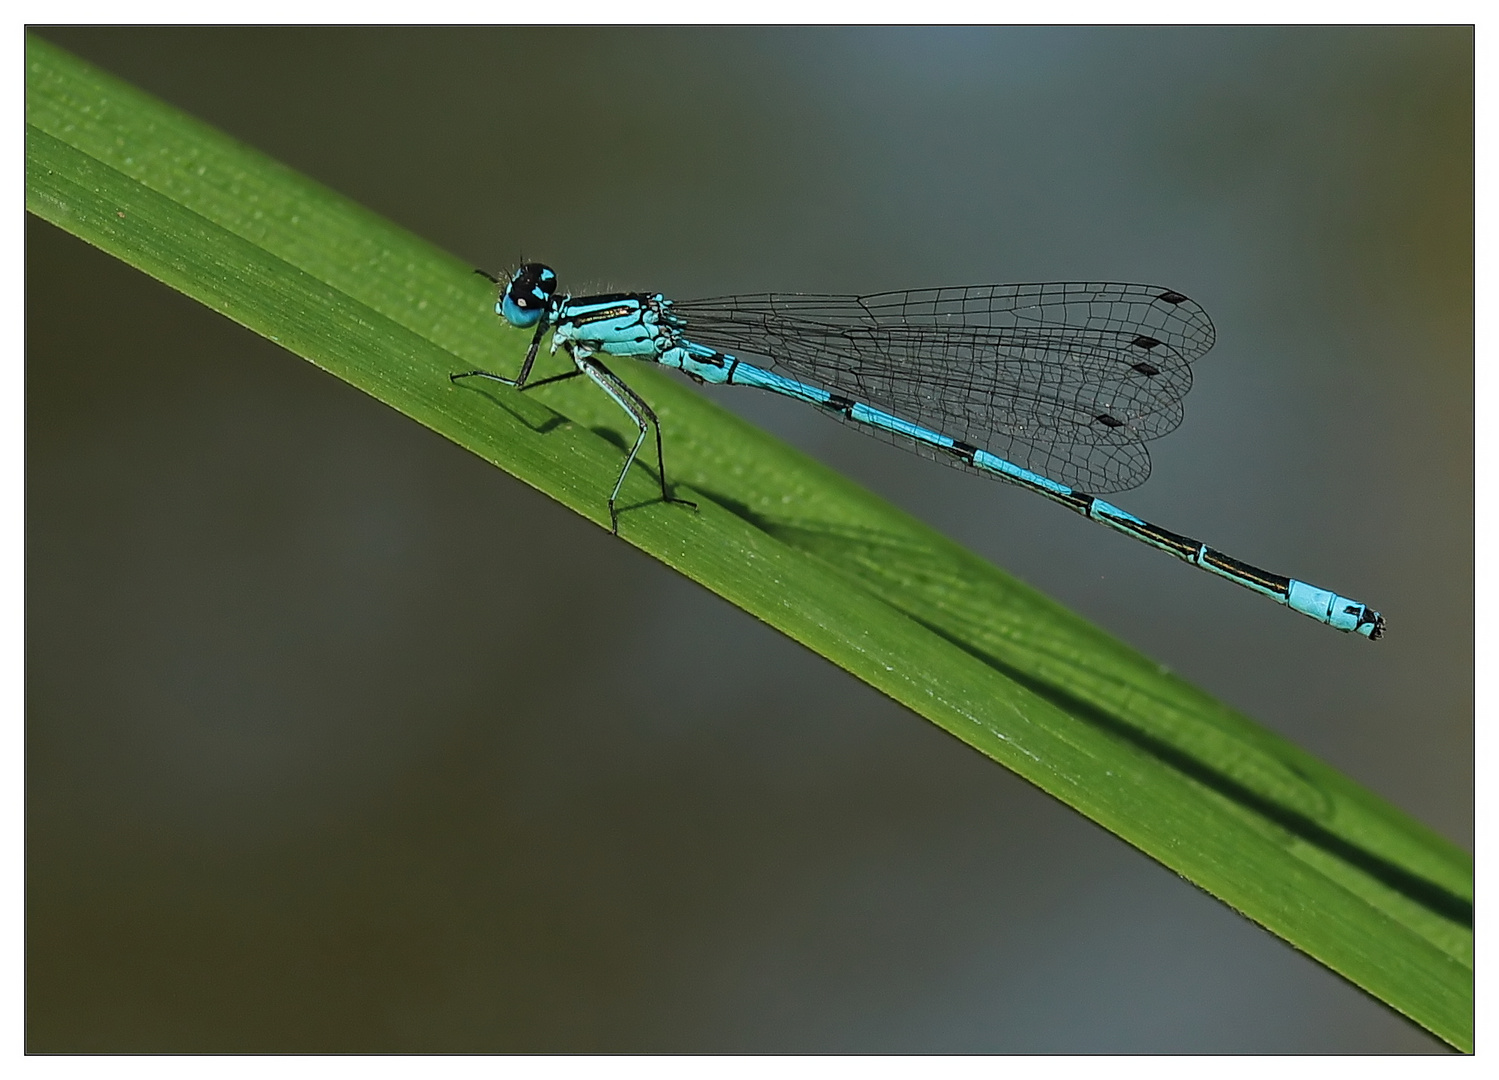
<point>1248,817</point>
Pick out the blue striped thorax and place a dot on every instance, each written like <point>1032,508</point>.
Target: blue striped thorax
<point>620,324</point>
<point>638,325</point>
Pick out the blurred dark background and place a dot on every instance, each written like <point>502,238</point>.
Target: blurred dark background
<point>342,740</point>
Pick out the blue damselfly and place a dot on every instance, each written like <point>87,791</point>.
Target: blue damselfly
<point>1054,387</point>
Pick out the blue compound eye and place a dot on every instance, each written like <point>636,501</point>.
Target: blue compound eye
<point>521,312</point>
<point>526,298</point>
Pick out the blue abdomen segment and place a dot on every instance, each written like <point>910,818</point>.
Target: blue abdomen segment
<point>749,375</point>
<point>1336,611</point>
<point>1327,607</point>
<point>699,361</point>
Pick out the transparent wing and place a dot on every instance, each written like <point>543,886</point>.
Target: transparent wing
<point>1069,379</point>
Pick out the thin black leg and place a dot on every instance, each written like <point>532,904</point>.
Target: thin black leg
<point>651,414</point>
<point>519,382</point>
<point>637,409</point>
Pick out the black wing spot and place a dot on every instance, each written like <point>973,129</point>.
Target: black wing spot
<point>1108,421</point>
<point>1144,341</point>
<point>1148,370</point>
<point>1171,297</point>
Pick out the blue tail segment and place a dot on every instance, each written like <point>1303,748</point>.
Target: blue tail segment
<point>1070,379</point>
<point>1320,604</point>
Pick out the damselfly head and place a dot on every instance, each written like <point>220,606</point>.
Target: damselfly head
<point>527,295</point>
